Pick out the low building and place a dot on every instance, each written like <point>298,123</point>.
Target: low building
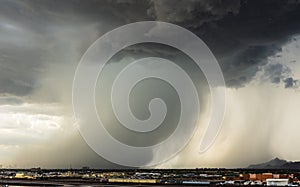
<point>245,176</point>
<point>20,176</point>
<point>140,181</point>
<point>266,176</point>
<point>277,182</point>
<point>196,182</point>
<point>255,177</point>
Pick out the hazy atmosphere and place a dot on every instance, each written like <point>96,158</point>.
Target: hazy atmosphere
<point>256,43</point>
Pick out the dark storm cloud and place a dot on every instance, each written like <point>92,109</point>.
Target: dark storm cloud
<point>19,67</point>
<point>40,36</point>
<point>242,42</point>
<point>276,72</point>
<point>242,34</point>
<point>41,43</point>
<point>202,11</point>
<point>241,67</point>
<point>290,83</point>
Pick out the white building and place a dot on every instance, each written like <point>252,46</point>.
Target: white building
<point>277,182</point>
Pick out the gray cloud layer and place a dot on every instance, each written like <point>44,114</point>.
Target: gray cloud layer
<point>36,34</point>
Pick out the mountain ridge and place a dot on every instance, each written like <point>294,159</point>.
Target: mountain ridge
<point>276,163</point>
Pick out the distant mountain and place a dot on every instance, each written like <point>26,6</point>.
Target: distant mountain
<point>276,163</point>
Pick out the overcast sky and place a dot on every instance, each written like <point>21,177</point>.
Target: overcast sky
<point>255,42</point>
